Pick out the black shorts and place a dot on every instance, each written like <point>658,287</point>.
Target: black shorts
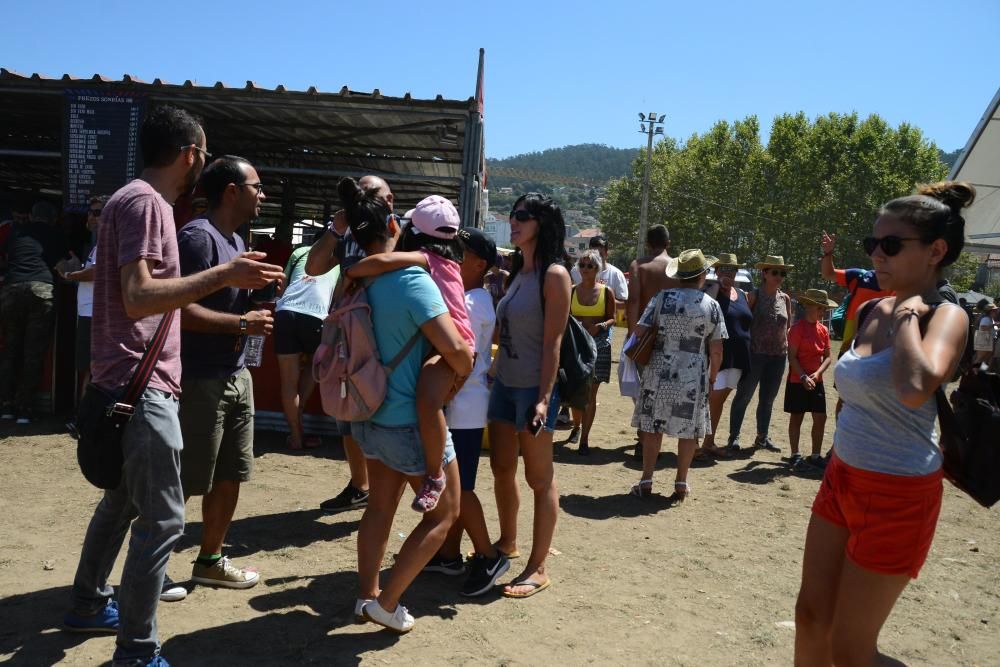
<point>82,344</point>
<point>295,333</point>
<point>799,400</point>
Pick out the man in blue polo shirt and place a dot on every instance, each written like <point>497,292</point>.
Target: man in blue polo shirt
<point>216,407</point>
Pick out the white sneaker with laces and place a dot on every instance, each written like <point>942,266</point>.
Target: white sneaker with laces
<point>398,621</point>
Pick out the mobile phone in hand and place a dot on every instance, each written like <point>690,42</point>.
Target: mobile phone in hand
<point>535,426</point>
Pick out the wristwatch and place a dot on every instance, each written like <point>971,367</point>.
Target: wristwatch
<point>802,378</point>
<point>243,326</point>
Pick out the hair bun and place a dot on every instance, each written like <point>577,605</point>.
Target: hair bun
<point>956,195</point>
<point>350,192</point>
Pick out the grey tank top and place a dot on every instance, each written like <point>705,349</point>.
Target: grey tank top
<point>875,431</point>
<point>519,315</point>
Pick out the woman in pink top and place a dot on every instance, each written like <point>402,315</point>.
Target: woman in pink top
<point>429,241</point>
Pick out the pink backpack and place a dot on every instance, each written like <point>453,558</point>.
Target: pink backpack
<point>346,366</point>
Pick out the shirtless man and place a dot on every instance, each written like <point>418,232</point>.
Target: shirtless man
<point>648,275</point>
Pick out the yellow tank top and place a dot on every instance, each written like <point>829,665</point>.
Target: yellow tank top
<point>577,309</point>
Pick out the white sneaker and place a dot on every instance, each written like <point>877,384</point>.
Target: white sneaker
<point>398,621</point>
<point>23,421</point>
<point>359,610</point>
<point>172,591</point>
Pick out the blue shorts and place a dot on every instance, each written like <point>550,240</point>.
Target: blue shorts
<point>344,428</point>
<point>468,447</point>
<point>398,447</point>
<point>511,405</point>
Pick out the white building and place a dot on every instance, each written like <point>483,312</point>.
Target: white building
<point>498,229</point>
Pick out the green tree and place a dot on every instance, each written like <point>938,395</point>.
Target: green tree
<point>724,191</point>
<point>962,273</point>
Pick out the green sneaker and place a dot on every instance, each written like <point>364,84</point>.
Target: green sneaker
<point>224,574</point>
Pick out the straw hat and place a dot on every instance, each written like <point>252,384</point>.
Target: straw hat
<point>774,262</point>
<point>727,260</point>
<point>689,264</point>
<point>817,297</point>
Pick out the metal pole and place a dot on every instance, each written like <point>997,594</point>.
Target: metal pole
<point>641,241</point>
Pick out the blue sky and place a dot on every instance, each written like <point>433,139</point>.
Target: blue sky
<point>557,73</point>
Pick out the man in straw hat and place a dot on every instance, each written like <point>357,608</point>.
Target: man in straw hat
<point>675,383</point>
<point>772,316</point>
<point>808,357</point>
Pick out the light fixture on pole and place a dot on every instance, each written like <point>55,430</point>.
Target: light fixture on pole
<point>655,126</point>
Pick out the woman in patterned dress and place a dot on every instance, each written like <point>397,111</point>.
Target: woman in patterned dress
<point>676,382</point>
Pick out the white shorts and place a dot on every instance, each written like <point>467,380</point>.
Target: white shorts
<point>727,379</point>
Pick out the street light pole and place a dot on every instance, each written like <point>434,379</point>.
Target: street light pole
<point>655,127</point>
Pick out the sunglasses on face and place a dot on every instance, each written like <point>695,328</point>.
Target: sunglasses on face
<point>521,215</point>
<point>775,272</point>
<point>726,272</point>
<point>96,212</point>
<point>891,245</point>
<point>587,265</point>
<point>259,187</point>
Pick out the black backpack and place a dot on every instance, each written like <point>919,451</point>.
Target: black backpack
<point>577,360</point>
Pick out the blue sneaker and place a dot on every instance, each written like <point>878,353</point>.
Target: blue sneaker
<point>106,620</point>
<point>157,661</point>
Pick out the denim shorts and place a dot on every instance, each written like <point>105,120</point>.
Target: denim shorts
<point>398,447</point>
<point>511,405</point>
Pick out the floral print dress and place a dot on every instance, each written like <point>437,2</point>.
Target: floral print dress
<point>673,397</point>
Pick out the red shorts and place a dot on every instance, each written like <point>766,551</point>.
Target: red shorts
<point>890,518</point>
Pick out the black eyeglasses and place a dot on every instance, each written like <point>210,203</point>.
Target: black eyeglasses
<point>587,265</point>
<point>208,156</point>
<point>259,187</point>
<point>891,245</point>
<point>96,212</point>
<point>776,272</point>
<point>522,215</point>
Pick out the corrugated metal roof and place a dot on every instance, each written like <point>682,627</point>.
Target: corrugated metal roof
<point>301,142</point>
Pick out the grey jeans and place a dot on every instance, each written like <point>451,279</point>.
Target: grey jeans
<point>768,371</point>
<point>150,500</point>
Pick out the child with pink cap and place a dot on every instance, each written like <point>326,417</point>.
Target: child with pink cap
<point>430,242</point>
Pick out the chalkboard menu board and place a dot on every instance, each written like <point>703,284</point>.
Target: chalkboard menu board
<point>100,144</point>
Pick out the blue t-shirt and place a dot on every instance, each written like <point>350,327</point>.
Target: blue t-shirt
<point>401,302</point>
<point>201,246</point>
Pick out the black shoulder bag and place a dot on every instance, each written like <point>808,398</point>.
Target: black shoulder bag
<point>102,416</point>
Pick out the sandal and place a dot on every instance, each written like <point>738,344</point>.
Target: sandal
<point>642,489</point>
<point>681,491</point>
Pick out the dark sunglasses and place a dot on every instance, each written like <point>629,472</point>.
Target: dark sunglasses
<point>96,212</point>
<point>587,265</point>
<point>891,245</point>
<point>776,272</point>
<point>259,187</point>
<point>522,215</point>
<point>726,272</point>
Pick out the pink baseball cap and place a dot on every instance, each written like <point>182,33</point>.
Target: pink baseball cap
<point>435,216</point>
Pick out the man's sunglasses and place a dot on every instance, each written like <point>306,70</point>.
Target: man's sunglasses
<point>259,187</point>
<point>891,245</point>
<point>522,215</point>
<point>776,272</point>
<point>208,156</point>
<point>96,212</point>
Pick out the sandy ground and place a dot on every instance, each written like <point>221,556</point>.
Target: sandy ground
<point>710,582</point>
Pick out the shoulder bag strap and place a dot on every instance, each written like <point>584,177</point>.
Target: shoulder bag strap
<point>144,371</point>
<point>398,359</point>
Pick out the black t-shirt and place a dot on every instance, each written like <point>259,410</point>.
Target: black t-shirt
<point>32,248</point>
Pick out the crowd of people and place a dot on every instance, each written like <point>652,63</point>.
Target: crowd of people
<point>441,302</point>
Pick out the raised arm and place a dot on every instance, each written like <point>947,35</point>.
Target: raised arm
<point>384,262</point>
<point>144,295</point>
<point>921,365</point>
<point>826,267</point>
<point>323,253</point>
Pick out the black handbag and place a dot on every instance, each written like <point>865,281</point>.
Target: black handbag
<point>970,444</point>
<point>102,417</point>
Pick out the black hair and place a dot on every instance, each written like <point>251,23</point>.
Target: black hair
<point>410,240</point>
<point>219,174</point>
<point>657,237</point>
<point>549,248</point>
<point>936,213</point>
<point>165,130</point>
<point>366,213</point>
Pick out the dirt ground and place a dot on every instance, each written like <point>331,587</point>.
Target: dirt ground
<point>709,582</point>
